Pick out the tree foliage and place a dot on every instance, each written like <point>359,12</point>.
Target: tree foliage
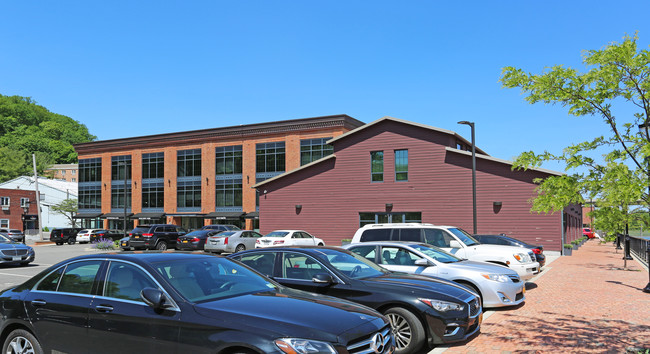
<point>27,128</point>
<point>610,169</point>
<point>67,208</point>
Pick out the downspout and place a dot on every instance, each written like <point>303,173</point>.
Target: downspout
<point>563,235</point>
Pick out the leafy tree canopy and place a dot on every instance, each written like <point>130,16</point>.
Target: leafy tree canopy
<point>616,165</point>
<point>27,128</point>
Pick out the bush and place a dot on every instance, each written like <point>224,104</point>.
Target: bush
<point>104,244</point>
<point>575,242</point>
<point>568,245</point>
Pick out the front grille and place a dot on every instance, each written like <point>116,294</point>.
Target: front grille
<point>474,307</point>
<point>515,278</point>
<point>14,252</point>
<point>381,340</point>
<point>519,296</point>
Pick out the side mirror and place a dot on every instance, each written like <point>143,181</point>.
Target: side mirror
<point>422,262</point>
<point>322,278</point>
<point>454,244</point>
<point>154,298</point>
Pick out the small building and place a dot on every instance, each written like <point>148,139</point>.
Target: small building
<point>64,172</point>
<point>12,209</point>
<point>393,170</point>
<point>52,192</point>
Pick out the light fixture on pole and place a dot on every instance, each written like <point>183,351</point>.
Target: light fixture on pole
<point>471,124</point>
<point>125,165</point>
<point>25,211</point>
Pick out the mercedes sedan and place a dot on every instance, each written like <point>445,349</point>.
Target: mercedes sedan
<point>178,303</point>
<point>13,252</point>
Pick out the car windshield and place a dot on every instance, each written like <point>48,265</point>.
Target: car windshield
<point>4,239</point>
<point>199,233</point>
<point>437,254</point>
<point>277,234</point>
<point>201,279</point>
<point>13,231</point>
<point>83,231</point>
<point>351,264</point>
<point>466,238</point>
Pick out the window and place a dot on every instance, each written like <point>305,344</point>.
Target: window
<point>401,165</point>
<point>63,172</point>
<point>228,160</point>
<point>79,277</point>
<point>117,196</point>
<point>73,180</point>
<point>314,149</point>
<point>410,235</point>
<point>377,166</point>
<point>298,266</point>
<point>262,263</point>
<point>189,163</point>
<point>125,281</point>
<point>270,157</point>
<point>436,237</point>
<point>73,172</point>
<point>24,202</point>
<point>90,170</point>
<point>90,196</point>
<point>383,218</point>
<point>153,194</point>
<point>120,165</point>
<point>5,201</point>
<point>189,194</point>
<point>397,256</point>
<point>367,252</point>
<point>4,223</point>
<point>153,165</point>
<point>228,182</point>
<point>228,193</point>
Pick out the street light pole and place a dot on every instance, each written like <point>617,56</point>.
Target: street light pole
<point>25,211</point>
<point>471,124</point>
<point>124,226</point>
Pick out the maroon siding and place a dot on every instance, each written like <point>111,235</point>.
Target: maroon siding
<point>333,192</point>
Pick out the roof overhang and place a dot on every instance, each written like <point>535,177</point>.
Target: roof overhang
<point>225,215</point>
<point>296,170</point>
<point>505,162</point>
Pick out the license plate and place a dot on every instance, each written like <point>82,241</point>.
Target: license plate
<point>16,258</point>
<point>136,236</point>
<point>184,241</point>
<point>214,242</point>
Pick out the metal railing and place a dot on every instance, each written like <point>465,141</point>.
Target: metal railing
<point>639,248</point>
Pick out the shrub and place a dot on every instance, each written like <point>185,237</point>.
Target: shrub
<point>568,245</point>
<point>575,242</point>
<point>104,244</point>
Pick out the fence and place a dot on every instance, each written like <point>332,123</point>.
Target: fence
<point>639,248</point>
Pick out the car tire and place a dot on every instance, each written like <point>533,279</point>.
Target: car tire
<point>23,339</point>
<point>59,243</point>
<point>240,248</point>
<point>407,330</point>
<point>71,241</point>
<point>161,246</point>
<point>320,245</point>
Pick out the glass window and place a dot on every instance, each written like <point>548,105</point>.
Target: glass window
<point>401,165</point>
<point>377,166</point>
<point>228,192</point>
<point>314,149</point>
<point>4,223</point>
<point>153,194</point>
<point>153,165</point>
<point>413,235</point>
<point>90,170</point>
<point>228,160</point>
<point>119,166</point>
<point>438,238</point>
<point>398,256</point>
<point>51,281</point>
<point>262,263</point>
<point>125,281</point>
<point>189,163</point>
<point>270,157</point>
<point>117,196</point>
<point>5,201</point>
<point>90,196</point>
<point>189,194</point>
<point>376,235</point>
<point>367,252</point>
<point>79,277</point>
<point>299,266</point>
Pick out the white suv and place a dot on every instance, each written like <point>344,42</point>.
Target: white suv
<point>453,240</point>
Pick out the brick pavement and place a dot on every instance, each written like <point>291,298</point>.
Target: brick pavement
<point>584,303</point>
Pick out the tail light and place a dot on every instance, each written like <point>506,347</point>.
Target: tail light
<point>100,234</point>
<point>278,242</point>
<point>537,251</point>
<point>225,240</point>
<point>130,234</point>
<point>257,242</point>
<point>147,235</point>
<point>196,239</point>
<point>178,240</point>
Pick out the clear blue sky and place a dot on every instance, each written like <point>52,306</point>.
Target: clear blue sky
<point>132,68</point>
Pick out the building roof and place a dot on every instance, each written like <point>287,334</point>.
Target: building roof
<point>296,170</point>
<point>238,131</point>
<point>506,162</point>
<point>64,166</point>
<point>387,118</point>
<point>27,183</point>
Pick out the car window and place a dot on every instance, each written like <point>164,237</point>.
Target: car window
<point>125,281</point>
<point>276,234</point>
<point>255,234</point>
<point>306,235</point>
<point>376,235</point>
<point>262,263</point>
<point>296,235</point>
<point>79,277</point>
<point>397,256</point>
<point>410,235</point>
<point>300,266</point>
<point>367,252</point>
<point>465,237</point>
<point>437,237</point>
<point>51,281</point>
<point>437,254</point>
<point>351,264</point>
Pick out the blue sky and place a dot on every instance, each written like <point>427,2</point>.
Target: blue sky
<point>132,68</point>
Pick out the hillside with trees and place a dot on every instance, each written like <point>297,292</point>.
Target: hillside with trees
<point>27,128</point>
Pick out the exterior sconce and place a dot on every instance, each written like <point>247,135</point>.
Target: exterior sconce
<point>298,208</point>
<point>104,186</point>
<point>206,181</point>
<point>169,182</point>
<point>389,206</point>
<point>496,207</point>
<point>135,184</point>
<point>497,204</point>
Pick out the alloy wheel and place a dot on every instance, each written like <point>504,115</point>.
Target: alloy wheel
<point>401,330</point>
<point>20,345</point>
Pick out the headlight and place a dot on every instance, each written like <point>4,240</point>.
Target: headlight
<point>522,257</point>
<point>501,278</point>
<point>443,306</point>
<point>303,346</point>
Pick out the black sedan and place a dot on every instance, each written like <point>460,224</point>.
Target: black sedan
<point>97,235</point>
<point>178,303</point>
<point>195,240</point>
<point>421,309</point>
<point>13,252</point>
<point>511,241</point>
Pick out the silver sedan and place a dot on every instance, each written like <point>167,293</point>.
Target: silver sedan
<point>231,241</point>
<point>497,285</point>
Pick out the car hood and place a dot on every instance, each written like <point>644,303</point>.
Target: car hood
<point>483,267</point>
<point>13,245</point>
<point>294,313</point>
<point>410,282</point>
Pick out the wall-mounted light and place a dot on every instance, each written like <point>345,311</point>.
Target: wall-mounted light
<point>169,182</point>
<point>135,184</point>
<point>298,208</point>
<point>206,181</point>
<point>496,207</point>
<point>389,206</point>
<point>497,204</point>
<point>104,186</point>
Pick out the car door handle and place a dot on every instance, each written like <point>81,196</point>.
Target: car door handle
<point>104,308</point>
<point>39,302</point>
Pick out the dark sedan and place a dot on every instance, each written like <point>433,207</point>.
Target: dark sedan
<point>97,235</point>
<point>178,303</point>
<point>195,240</point>
<point>14,234</point>
<point>12,252</point>
<point>511,241</point>
<point>421,309</point>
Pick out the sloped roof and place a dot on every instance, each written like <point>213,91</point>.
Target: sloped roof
<point>28,182</point>
<point>296,170</point>
<point>506,162</point>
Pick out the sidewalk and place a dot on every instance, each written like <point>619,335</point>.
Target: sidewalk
<point>584,303</point>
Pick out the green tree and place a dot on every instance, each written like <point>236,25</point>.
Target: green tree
<point>67,208</point>
<point>611,169</point>
<point>27,128</point>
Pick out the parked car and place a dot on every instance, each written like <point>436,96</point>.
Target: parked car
<point>221,227</point>
<point>420,309</point>
<point>125,244</point>
<point>12,252</point>
<point>453,240</point>
<point>178,303</point>
<point>587,232</point>
<point>232,241</point>
<point>99,234</point>
<point>83,236</point>
<point>194,240</point>
<point>497,285</point>
<point>14,234</point>
<point>288,238</point>
<point>64,235</point>
<point>157,236</point>
<point>511,241</point>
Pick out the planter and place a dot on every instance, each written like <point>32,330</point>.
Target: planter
<point>568,249</point>
<point>575,246</point>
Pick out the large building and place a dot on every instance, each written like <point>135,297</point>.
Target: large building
<point>65,172</point>
<point>197,177</point>
<point>393,170</point>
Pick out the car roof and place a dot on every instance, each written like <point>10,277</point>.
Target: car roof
<point>148,257</point>
<point>304,249</point>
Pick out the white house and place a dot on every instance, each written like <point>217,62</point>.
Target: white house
<point>52,192</point>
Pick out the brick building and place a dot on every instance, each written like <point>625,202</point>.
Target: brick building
<point>65,172</point>
<point>197,177</point>
<point>12,202</point>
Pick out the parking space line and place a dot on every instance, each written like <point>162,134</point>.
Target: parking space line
<point>17,275</point>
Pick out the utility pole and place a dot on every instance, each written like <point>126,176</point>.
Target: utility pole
<point>38,199</point>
